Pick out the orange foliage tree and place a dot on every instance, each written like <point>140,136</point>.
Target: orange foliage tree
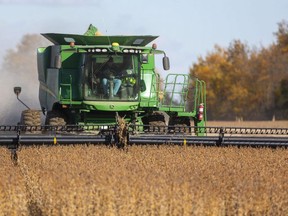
<point>246,83</point>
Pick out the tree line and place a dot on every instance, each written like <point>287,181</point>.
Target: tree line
<point>246,83</point>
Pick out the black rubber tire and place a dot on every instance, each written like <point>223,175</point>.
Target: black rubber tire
<point>156,122</point>
<point>54,118</point>
<point>179,124</point>
<point>31,118</point>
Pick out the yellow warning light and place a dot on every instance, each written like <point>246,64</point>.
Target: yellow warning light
<point>55,141</point>
<point>115,46</point>
<point>98,33</point>
<point>72,44</point>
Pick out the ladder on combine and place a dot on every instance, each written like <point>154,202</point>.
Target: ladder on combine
<point>176,92</point>
<point>183,93</point>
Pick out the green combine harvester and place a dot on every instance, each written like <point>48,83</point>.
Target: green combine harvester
<point>90,79</point>
<point>102,89</point>
<point>95,80</point>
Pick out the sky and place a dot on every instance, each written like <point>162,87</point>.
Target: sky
<point>188,29</point>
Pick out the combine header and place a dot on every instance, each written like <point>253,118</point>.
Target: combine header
<point>105,90</point>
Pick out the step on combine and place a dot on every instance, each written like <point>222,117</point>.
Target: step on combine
<point>98,89</point>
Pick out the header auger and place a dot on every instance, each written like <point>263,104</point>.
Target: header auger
<point>98,89</point>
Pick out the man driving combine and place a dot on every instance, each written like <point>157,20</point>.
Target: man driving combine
<point>111,81</point>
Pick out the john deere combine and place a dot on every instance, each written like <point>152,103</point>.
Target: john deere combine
<point>88,79</point>
<point>105,89</point>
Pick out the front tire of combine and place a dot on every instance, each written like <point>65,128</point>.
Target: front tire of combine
<point>180,124</point>
<point>54,118</point>
<point>156,122</point>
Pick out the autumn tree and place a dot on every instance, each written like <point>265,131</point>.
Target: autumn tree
<point>246,83</point>
<point>238,81</point>
<point>282,36</point>
<point>223,73</point>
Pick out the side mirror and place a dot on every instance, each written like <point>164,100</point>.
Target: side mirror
<point>142,86</point>
<point>17,90</point>
<point>166,63</point>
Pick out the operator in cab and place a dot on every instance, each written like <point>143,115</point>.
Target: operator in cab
<point>111,78</point>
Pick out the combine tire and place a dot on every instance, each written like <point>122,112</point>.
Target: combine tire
<point>54,118</point>
<point>179,125</point>
<point>31,118</point>
<point>157,122</point>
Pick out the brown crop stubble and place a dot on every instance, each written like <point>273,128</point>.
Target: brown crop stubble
<point>91,180</point>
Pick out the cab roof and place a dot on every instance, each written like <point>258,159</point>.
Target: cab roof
<point>65,39</point>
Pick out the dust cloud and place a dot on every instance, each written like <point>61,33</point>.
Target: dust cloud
<point>11,108</point>
<point>19,68</point>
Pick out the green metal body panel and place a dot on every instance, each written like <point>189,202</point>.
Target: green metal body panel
<point>61,39</point>
<point>71,80</point>
<point>111,105</point>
